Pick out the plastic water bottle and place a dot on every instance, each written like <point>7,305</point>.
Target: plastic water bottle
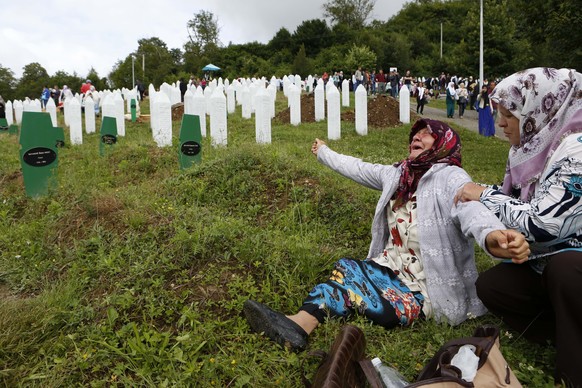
<point>389,376</point>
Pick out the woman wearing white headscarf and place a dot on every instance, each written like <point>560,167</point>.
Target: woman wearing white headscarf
<point>541,196</point>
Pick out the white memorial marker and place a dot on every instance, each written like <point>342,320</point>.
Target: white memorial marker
<point>163,131</point>
<point>18,110</point>
<point>188,102</point>
<point>345,92</point>
<point>76,126</point>
<point>361,108</point>
<point>119,113</point>
<point>51,108</point>
<point>218,123</point>
<point>89,115</point>
<point>9,113</point>
<point>294,93</point>
<point>263,116</point>
<point>230,99</point>
<point>333,114</point>
<point>246,102</point>
<point>200,109</point>
<point>319,102</point>
<point>404,97</point>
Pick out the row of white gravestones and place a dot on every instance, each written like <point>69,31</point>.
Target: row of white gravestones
<point>263,109</point>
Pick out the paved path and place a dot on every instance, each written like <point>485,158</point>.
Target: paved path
<point>470,118</point>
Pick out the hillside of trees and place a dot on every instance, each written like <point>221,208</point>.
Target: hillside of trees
<point>517,34</point>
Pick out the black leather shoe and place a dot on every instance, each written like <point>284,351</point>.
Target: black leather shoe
<point>275,325</point>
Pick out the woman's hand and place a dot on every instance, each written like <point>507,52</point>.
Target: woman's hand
<point>315,146</point>
<point>469,192</point>
<point>509,244</point>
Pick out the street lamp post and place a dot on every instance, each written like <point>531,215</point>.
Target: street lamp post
<point>132,71</point>
<point>481,47</point>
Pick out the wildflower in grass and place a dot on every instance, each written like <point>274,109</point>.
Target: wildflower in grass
<point>508,335</point>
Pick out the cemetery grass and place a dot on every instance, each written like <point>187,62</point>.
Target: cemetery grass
<point>133,273</point>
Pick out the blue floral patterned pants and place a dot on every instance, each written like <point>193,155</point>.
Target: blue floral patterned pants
<point>367,288</point>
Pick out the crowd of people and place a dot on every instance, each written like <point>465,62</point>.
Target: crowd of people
<point>533,220</point>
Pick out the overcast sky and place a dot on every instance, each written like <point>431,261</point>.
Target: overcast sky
<point>73,35</point>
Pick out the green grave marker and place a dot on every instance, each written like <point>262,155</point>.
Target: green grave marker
<point>60,137</point>
<point>13,130</point>
<point>38,153</point>
<point>4,125</point>
<point>133,109</point>
<point>190,141</point>
<point>108,133</point>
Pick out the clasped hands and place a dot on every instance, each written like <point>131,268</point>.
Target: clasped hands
<point>506,243</point>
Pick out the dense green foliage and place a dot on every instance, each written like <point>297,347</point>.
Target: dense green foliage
<point>517,34</point>
<point>133,273</point>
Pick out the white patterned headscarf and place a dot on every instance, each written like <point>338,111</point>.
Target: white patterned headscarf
<point>544,100</point>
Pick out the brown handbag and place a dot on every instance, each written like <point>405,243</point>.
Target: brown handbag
<point>493,370</point>
<point>345,366</point>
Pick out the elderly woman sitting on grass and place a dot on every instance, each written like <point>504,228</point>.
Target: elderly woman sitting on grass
<point>421,260</point>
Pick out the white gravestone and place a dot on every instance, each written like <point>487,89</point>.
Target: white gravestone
<point>207,94</point>
<point>333,114</point>
<point>188,102</point>
<point>319,101</point>
<point>246,102</point>
<point>200,109</point>
<point>272,91</point>
<point>345,92</point>
<point>76,126</point>
<point>18,110</point>
<point>404,97</point>
<point>119,113</point>
<point>151,94</point>
<point>361,107</point>
<point>163,110</point>
<point>218,123</point>
<point>51,108</point>
<point>230,100</point>
<point>263,116</point>
<point>9,113</point>
<point>89,115</point>
<point>295,104</point>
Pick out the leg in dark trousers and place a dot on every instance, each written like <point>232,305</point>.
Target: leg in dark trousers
<point>562,278</point>
<point>526,301</point>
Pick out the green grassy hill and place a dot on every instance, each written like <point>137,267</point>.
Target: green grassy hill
<point>133,273</point>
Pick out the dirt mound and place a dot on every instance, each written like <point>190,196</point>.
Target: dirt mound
<point>177,111</point>
<point>383,111</point>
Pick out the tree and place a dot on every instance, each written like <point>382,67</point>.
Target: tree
<point>301,63</point>
<point>34,78</point>
<point>203,30</point>
<point>313,34</point>
<point>62,78</point>
<point>7,84</point>
<point>352,13</point>
<point>360,56</point>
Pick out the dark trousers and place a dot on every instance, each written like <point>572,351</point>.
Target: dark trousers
<point>543,308</point>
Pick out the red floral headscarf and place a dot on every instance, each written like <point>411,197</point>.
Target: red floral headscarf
<point>446,149</point>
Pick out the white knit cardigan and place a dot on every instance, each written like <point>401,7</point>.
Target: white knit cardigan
<point>446,232</point>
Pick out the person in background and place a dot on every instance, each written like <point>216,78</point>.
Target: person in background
<point>86,87</point>
<point>2,108</point>
<point>381,79</point>
<point>463,99</point>
<point>540,112</point>
<point>394,83</point>
<point>486,122</point>
<point>421,94</point>
<point>45,96</point>
<point>140,89</point>
<point>413,269</point>
<point>450,100</point>
<point>56,95</point>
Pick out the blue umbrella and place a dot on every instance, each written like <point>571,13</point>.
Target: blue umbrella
<point>210,67</point>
